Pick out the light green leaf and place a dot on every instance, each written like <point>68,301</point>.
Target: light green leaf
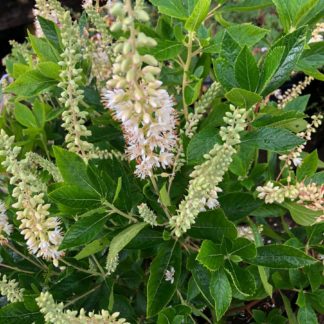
<point>164,196</point>
<point>281,257</point>
<point>164,50</point>
<point>242,97</point>
<point>93,248</point>
<point>49,70</point>
<point>302,215</point>
<point>25,116</point>
<point>44,50</point>
<point>221,291</point>
<point>198,15</point>
<point>192,91</point>
<point>306,315</point>
<point>172,8</point>
<point>122,239</point>
<point>160,291</point>
<point>210,255</point>
<point>247,5</point>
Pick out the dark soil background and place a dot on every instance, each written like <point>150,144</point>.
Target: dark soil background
<point>16,16</point>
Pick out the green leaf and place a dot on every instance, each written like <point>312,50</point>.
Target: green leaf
<point>31,83</point>
<point>247,34</point>
<point>270,65</point>
<point>210,255</point>
<point>243,248</point>
<point>299,104</point>
<point>245,204</point>
<point>294,45</point>
<point>83,231</point>
<point>242,97</point>
<point>307,315</point>
<point>160,291</point>
<point>164,196</point>
<point>39,110</point>
<point>201,144</point>
<point>16,313</point>
<point>93,248</point>
<point>43,49</point>
<point>213,225</point>
<point>242,278</point>
<point>192,91</point>
<point>123,238</point>
<point>50,70</point>
<point>281,257</point>
<point>25,116</point>
<point>230,48</point>
<point>248,5</point>
<point>202,277</point>
<point>164,50</point>
<point>242,160</point>
<point>282,119</point>
<point>291,316</point>
<point>172,8</point>
<point>73,169</point>
<point>272,139</point>
<point>198,15</point>
<point>221,291</point>
<point>51,32</point>
<point>302,215</point>
<point>308,167</point>
<point>224,72</point>
<point>246,70</point>
<point>75,197</point>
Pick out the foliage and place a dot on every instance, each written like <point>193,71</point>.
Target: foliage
<point>149,174</point>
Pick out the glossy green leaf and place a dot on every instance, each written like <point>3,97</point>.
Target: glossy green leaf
<point>246,70</point>
<point>242,278</point>
<point>123,238</point>
<point>192,91</point>
<point>247,34</point>
<point>281,257</point>
<point>272,139</point>
<point>213,225</point>
<point>49,70</point>
<point>172,8</point>
<point>302,215</point>
<point>93,248</point>
<point>221,291</point>
<point>243,248</point>
<point>83,231</point>
<point>51,32</point>
<point>308,167</point>
<point>43,49</point>
<point>294,45</point>
<point>242,97</point>
<point>210,255</point>
<point>16,313</point>
<point>201,143</point>
<point>248,5</point>
<point>245,203</point>
<point>25,116</point>
<point>75,197</point>
<point>31,83</point>
<point>306,315</point>
<point>198,15</point>
<point>159,290</point>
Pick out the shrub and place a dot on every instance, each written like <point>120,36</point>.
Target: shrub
<point>154,172</point>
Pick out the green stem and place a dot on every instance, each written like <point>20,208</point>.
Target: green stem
<point>43,140</point>
<point>115,210</point>
<point>37,264</point>
<point>80,269</point>
<point>186,72</point>
<point>81,296</point>
<point>14,268</point>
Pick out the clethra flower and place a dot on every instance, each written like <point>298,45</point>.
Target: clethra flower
<point>169,275</point>
<point>5,227</point>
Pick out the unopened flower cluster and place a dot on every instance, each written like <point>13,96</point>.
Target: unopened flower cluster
<point>136,98</point>
<point>147,214</point>
<point>309,195</point>
<point>11,290</point>
<point>5,227</point>
<point>203,187</point>
<point>293,93</point>
<point>294,157</point>
<point>200,108</point>
<point>42,232</point>
<point>55,314</point>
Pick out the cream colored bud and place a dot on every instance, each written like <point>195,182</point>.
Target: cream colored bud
<point>116,27</point>
<point>141,15</point>
<point>117,9</point>
<point>149,59</point>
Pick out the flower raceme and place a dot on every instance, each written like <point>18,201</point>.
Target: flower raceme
<point>136,98</point>
<point>203,187</point>
<point>41,231</point>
